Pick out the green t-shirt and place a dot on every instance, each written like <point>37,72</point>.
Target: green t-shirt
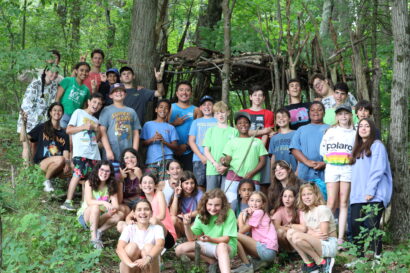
<point>227,228</point>
<point>236,148</point>
<point>101,195</point>
<point>330,117</point>
<point>74,95</point>
<point>216,139</point>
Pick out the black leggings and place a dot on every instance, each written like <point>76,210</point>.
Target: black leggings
<point>373,221</point>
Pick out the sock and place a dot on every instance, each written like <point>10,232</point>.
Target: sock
<point>309,264</point>
<point>323,262</point>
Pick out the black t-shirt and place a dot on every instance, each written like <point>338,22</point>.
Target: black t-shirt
<point>138,100</point>
<point>299,114</point>
<point>47,147</point>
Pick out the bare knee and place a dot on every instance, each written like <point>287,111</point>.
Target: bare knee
<point>222,248</point>
<point>146,249</point>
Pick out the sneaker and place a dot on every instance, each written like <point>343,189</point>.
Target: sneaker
<point>310,269</point>
<point>244,268</point>
<point>328,266</point>
<point>47,186</point>
<point>68,205</point>
<point>354,263</point>
<point>213,268</point>
<point>97,244</point>
<point>98,235</point>
<point>259,264</point>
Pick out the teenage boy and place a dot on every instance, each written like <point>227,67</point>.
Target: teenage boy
<point>214,143</point>
<point>93,81</point>
<point>280,142</point>
<point>263,120</point>
<point>299,111</point>
<point>196,137</point>
<point>161,139</point>
<point>244,155</point>
<point>119,125</point>
<point>364,109</point>
<point>181,116</point>
<point>138,98</point>
<point>323,89</point>
<point>340,96</point>
<point>83,128</point>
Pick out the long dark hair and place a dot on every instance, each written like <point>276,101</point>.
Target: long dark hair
<point>43,77</point>
<point>238,196</point>
<point>134,152</point>
<point>95,180</point>
<point>360,147</point>
<point>279,203</point>
<point>186,175</point>
<point>276,187</point>
<point>49,130</point>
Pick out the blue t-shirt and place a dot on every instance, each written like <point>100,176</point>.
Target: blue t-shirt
<point>168,132</point>
<point>307,139</point>
<point>183,129</point>
<point>198,129</point>
<point>279,147</point>
<point>189,204</point>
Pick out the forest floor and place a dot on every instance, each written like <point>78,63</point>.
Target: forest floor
<point>58,242</point>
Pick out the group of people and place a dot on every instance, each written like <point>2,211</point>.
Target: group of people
<point>274,182</point>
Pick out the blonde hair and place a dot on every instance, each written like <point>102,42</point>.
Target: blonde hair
<point>221,106</point>
<point>350,123</point>
<point>264,199</point>
<point>316,192</point>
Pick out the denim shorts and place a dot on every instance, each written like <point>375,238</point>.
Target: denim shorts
<point>82,222</point>
<point>199,172</point>
<point>329,247</point>
<point>264,253</point>
<point>65,120</point>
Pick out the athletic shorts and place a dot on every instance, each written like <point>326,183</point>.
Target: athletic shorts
<point>82,222</point>
<point>264,253</point>
<point>158,169</point>
<point>200,173</point>
<point>169,241</point>
<point>265,172</point>
<point>209,249</point>
<point>231,186</point>
<point>329,247</point>
<point>83,166</point>
<point>336,173</point>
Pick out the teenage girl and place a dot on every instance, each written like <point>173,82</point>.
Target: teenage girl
<point>215,231</point>
<point>336,149</point>
<point>141,243</point>
<point>72,92</point>
<point>100,208</point>
<point>245,189</point>
<point>160,216</point>
<point>317,241</point>
<point>283,176</point>
<point>174,170</point>
<point>39,95</point>
<point>286,216</point>
<point>52,145</point>
<point>263,244</point>
<point>185,201</point>
<point>129,190</point>
<point>371,182</point>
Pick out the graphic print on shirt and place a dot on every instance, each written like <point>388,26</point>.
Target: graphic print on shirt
<point>50,146</point>
<point>76,95</point>
<point>257,122</point>
<point>299,115</point>
<point>122,125</point>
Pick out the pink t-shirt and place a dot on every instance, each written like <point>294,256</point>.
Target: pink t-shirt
<point>263,229</point>
<point>167,222</point>
<point>284,218</point>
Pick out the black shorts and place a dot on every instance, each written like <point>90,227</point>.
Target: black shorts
<point>169,241</point>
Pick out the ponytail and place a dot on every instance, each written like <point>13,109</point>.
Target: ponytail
<point>43,81</point>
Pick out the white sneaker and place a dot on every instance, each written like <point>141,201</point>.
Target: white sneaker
<point>47,186</point>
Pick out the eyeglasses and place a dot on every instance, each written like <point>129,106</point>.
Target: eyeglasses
<point>129,157</point>
<point>104,170</point>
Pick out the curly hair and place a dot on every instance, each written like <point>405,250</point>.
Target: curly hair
<point>276,187</point>
<point>95,181</point>
<point>203,213</point>
<point>279,203</point>
<point>134,152</point>
<point>316,192</point>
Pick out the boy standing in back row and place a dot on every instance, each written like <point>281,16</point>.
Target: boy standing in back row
<point>299,111</point>
<point>262,122</point>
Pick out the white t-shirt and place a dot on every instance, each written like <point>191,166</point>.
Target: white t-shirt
<point>132,233</point>
<point>84,142</point>
<point>319,214</point>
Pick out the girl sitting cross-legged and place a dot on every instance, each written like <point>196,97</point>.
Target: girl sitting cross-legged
<point>215,231</point>
<point>317,243</point>
<point>263,245</point>
<point>141,243</point>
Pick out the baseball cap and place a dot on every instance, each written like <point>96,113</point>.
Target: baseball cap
<point>343,107</point>
<point>112,70</point>
<point>205,98</point>
<point>116,86</point>
<point>240,114</point>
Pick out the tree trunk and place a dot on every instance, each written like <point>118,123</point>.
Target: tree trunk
<point>399,125</point>
<point>110,36</point>
<point>326,15</point>
<point>377,75</point>
<point>75,30</point>
<point>208,19</point>
<point>227,8</point>
<point>362,90</point>
<point>23,26</point>
<point>141,50</point>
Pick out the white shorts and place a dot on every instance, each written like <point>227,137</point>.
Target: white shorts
<point>336,173</point>
<point>329,247</point>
